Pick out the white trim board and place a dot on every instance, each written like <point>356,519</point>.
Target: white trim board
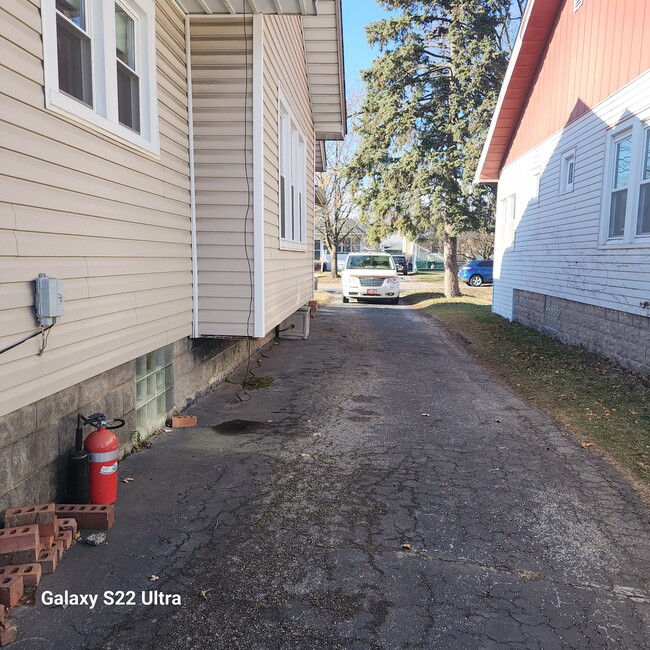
<point>190,127</point>
<point>259,325</point>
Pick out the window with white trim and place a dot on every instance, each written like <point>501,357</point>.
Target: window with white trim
<point>73,46</point>
<point>620,184</point>
<point>535,185</point>
<point>626,186</point>
<point>643,216</point>
<point>567,171</point>
<point>506,217</point>
<point>292,164</point>
<point>128,81</point>
<point>512,214</point>
<point>100,65</point>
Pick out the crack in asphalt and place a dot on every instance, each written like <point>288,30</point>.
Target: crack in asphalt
<point>290,535</point>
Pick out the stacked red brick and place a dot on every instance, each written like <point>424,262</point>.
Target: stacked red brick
<point>28,531</point>
<point>7,631</point>
<point>32,543</point>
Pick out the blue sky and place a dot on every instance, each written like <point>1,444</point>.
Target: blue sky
<point>358,54</point>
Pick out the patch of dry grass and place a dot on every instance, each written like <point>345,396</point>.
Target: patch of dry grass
<point>323,298</point>
<point>328,278</point>
<point>606,407</point>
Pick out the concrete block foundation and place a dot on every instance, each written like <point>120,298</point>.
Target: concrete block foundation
<point>36,439</point>
<point>621,337</point>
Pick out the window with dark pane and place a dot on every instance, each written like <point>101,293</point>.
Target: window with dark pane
<point>643,222</point>
<point>622,163</point>
<point>128,82</point>
<point>73,50</point>
<point>292,178</point>
<point>285,172</point>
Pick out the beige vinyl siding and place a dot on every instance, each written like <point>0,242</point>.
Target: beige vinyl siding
<point>224,210</point>
<point>288,273</point>
<point>79,204</point>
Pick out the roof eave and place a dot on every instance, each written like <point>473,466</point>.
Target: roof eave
<point>247,7</point>
<point>529,36</point>
<point>323,36</point>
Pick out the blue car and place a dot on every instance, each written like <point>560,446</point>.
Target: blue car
<point>477,272</point>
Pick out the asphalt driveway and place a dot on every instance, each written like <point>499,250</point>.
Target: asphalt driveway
<point>384,492</point>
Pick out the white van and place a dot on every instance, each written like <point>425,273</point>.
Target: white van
<point>370,276</point>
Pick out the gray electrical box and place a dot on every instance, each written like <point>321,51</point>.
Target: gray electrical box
<point>48,300</point>
<point>296,326</point>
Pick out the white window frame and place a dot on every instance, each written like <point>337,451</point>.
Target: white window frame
<point>567,171</point>
<point>506,220</point>
<point>292,164</point>
<point>103,115</point>
<point>136,70</point>
<point>535,185</point>
<point>512,220</point>
<point>645,146</point>
<point>636,130</point>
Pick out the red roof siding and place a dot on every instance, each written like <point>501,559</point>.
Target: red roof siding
<point>591,53</point>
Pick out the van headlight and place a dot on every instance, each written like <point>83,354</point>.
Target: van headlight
<point>351,281</point>
<point>392,281</point>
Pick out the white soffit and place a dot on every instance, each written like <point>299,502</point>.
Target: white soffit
<point>323,36</point>
<point>324,52</point>
<point>238,7</point>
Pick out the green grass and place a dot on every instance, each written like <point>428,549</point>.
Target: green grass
<point>435,277</point>
<point>258,382</point>
<point>605,406</point>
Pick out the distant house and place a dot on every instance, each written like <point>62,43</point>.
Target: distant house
<point>569,146</point>
<point>157,158</point>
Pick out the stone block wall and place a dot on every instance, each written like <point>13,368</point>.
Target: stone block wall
<point>36,439</point>
<point>616,335</point>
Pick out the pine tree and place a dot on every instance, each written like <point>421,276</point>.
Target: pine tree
<point>430,97</point>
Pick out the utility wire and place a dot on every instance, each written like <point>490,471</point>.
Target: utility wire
<point>247,215</point>
<point>27,338</point>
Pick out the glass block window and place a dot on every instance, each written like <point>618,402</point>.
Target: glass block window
<point>154,386</point>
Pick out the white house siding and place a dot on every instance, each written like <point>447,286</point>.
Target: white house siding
<point>288,273</point>
<point>556,240</point>
<point>220,52</point>
<point>76,203</point>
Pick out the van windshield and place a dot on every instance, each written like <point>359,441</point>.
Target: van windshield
<point>370,262</point>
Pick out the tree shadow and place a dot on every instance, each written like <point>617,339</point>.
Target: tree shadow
<point>416,298</point>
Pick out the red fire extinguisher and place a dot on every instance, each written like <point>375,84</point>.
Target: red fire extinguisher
<point>102,445</point>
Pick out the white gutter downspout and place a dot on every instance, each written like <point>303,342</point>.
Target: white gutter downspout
<point>190,128</point>
<point>259,323</point>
